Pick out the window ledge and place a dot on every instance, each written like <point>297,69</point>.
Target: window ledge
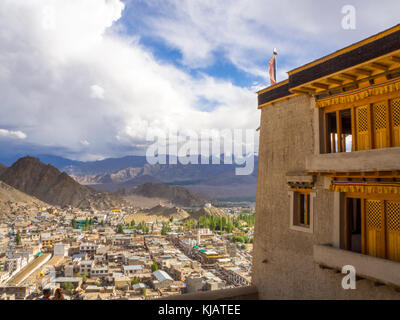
<point>301,229</point>
<point>368,267</point>
<point>385,159</point>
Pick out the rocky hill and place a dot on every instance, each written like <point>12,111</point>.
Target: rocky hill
<point>2,168</point>
<point>177,195</point>
<point>12,199</point>
<point>209,211</point>
<point>159,212</point>
<point>48,184</point>
<point>177,213</point>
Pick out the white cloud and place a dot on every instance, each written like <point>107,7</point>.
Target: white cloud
<point>46,72</point>
<point>12,134</point>
<point>97,92</point>
<point>245,32</point>
<point>85,142</point>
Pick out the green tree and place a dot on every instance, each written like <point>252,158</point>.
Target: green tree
<point>73,223</point>
<point>84,277</point>
<point>144,292</point>
<point>229,227</point>
<point>133,224</point>
<point>154,267</point>
<point>67,286</point>
<point>120,228</point>
<point>102,223</point>
<point>165,228</point>
<point>18,240</point>
<point>135,281</point>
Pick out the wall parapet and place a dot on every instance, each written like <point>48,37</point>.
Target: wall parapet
<point>385,159</point>
<point>368,267</point>
<point>241,293</point>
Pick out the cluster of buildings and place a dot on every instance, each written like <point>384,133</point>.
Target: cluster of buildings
<point>45,251</point>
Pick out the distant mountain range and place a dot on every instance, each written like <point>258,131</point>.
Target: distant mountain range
<point>177,195</point>
<point>48,184</point>
<point>212,181</point>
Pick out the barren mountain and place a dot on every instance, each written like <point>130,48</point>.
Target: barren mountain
<point>159,212</point>
<point>12,199</point>
<point>174,212</point>
<point>2,168</point>
<point>211,211</point>
<point>48,184</point>
<point>175,194</point>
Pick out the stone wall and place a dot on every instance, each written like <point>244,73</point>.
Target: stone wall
<point>283,264</point>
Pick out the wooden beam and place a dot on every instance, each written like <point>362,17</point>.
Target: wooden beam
<point>339,131</point>
<point>334,81</point>
<point>364,72</point>
<point>348,76</point>
<point>321,85</point>
<point>396,59</point>
<point>380,66</point>
<point>308,89</point>
<point>299,91</point>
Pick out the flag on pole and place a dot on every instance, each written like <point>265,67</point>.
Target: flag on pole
<point>272,68</point>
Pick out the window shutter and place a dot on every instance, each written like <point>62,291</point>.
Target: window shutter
<point>362,128</point>
<point>380,125</point>
<point>375,231</point>
<point>393,230</point>
<point>395,116</point>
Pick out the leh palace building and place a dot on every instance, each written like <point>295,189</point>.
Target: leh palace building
<point>328,191</point>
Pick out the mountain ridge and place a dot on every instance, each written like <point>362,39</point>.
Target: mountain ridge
<point>48,184</point>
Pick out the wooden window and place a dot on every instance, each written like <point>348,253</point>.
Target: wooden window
<point>395,120</point>
<point>363,142</point>
<point>346,132</point>
<point>376,222</point>
<point>331,133</point>
<point>393,230</point>
<point>362,127</point>
<point>375,228</point>
<point>301,216</point>
<point>380,125</point>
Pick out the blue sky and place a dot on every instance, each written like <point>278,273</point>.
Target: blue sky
<point>90,79</point>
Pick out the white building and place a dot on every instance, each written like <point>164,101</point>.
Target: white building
<point>132,269</point>
<point>162,279</point>
<point>61,249</point>
<point>88,248</point>
<point>99,272</point>
<point>86,266</point>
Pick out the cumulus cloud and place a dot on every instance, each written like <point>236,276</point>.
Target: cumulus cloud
<point>70,74</point>
<point>97,92</point>
<point>245,32</point>
<point>54,56</point>
<point>12,134</point>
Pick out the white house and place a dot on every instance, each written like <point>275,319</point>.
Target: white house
<point>61,249</point>
<point>132,269</point>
